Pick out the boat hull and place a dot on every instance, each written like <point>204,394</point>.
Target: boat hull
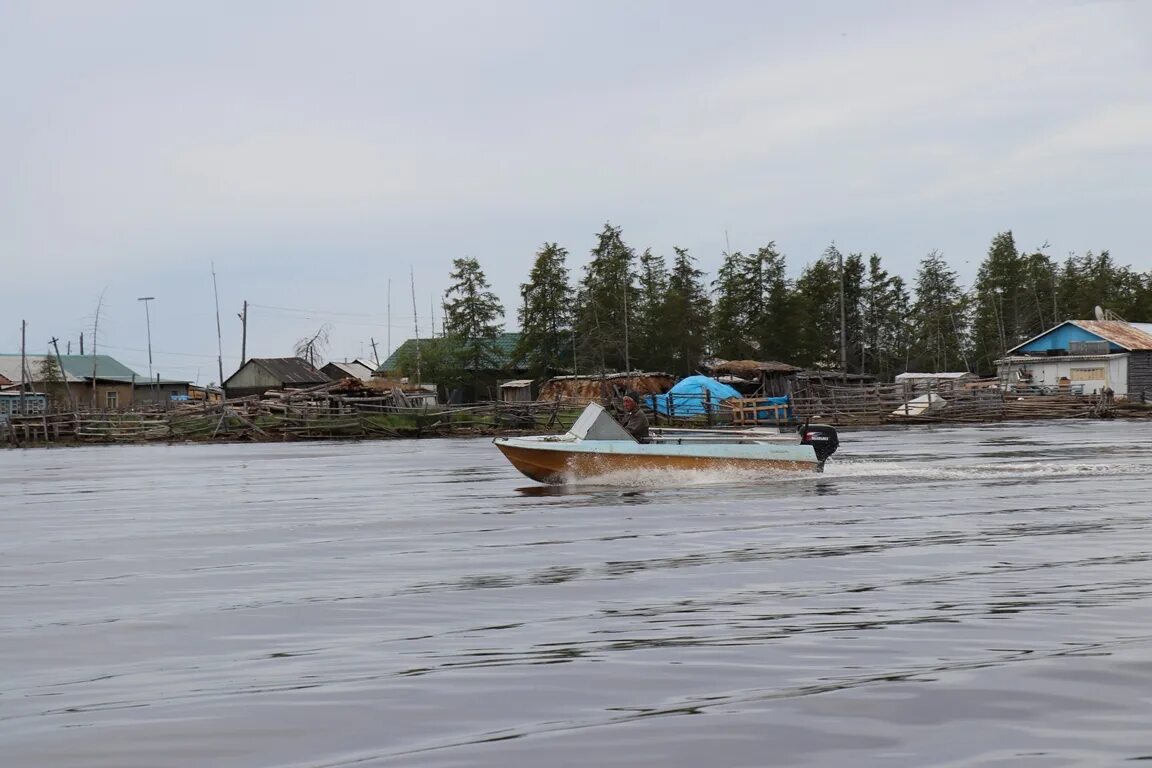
<point>557,464</point>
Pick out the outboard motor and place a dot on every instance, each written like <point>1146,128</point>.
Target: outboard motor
<point>823,440</point>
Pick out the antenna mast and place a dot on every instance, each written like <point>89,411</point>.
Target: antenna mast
<point>219,340</point>
<point>415,320</point>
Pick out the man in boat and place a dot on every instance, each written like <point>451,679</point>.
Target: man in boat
<point>634,421</point>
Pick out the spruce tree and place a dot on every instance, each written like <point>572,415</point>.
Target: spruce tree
<point>731,332</point>
<point>651,336</point>
<point>818,308</point>
<point>884,310</point>
<point>473,318</point>
<point>938,329</point>
<point>546,314</point>
<point>605,305</point>
<point>686,312</point>
<point>772,316</point>
<point>998,321</point>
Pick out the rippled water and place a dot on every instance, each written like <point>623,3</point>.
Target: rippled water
<point>952,597</point>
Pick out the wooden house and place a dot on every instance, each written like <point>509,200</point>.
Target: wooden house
<point>1082,357</point>
<point>262,374</point>
<point>89,381</point>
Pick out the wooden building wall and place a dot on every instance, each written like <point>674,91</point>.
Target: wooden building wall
<point>1139,375</point>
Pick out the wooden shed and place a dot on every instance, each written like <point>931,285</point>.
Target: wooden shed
<point>768,378</point>
<point>261,374</point>
<point>603,388</point>
<point>516,391</point>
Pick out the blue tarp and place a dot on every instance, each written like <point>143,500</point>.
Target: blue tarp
<point>687,398</point>
<point>765,413</point>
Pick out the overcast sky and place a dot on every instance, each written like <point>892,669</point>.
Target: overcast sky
<point>316,151</point>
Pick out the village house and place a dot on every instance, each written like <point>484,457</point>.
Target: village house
<point>1083,357</point>
<point>484,384</point>
<point>262,374</point>
<point>89,381</point>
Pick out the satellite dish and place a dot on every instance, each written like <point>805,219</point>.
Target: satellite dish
<point>1099,312</point>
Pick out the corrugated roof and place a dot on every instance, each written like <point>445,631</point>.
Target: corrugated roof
<point>290,370</point>
<point>354,369</point>
<point>76,367</point>
<point>106,367</point>
<point>516,384</point>
<point>1126,335</point>
<point>945,375</point>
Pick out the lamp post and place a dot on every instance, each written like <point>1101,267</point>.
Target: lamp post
<point>148,324</point>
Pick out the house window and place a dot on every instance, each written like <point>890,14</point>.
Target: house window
<point>1086,374</point>
<point>112,400</point>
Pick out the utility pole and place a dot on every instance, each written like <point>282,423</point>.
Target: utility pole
<point>627,358</point>
<point>843,317</point>
<point>64,376</point>
<point>148,321</point>
<point>219,341</point>
<point>244,334</point>
<point>389,317</point>
<point>81,343</point>
<point>375,356</point>
<point>23,368</point>
<point>415,321</point>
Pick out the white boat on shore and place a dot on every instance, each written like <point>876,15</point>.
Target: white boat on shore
<point>596,445</point>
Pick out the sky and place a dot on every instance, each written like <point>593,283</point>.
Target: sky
<point>328,160</point>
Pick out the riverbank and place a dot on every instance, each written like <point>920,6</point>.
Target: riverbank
<point>336,418</point>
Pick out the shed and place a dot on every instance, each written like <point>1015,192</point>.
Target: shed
<point>605,387</point>
<point>516,391</point>
<point>934,382</point>
<point>261,374</point>
<point>770,377</point>
<point>1082,356</point>
<point>355,369</point>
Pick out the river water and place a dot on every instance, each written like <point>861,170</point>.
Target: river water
<point>947,597</point>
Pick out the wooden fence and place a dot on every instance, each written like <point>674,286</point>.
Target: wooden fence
<point>895,404</point>
<point>307,414</point>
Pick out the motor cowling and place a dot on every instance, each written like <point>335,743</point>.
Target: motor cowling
<point>823,439</point>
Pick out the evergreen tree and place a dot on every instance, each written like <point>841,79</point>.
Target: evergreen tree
<point>885,309</point>
<point>473,318</point>
<point>49,376</point>
<point>733,337</point>
<point>546,313</point>
<point>651,336</point>
<point>999,320</point>
<point>772,315</point>
<point>854,329</point>
<point>818,307</point>
<point>938,328</point>
<point>686,313</point>
<point>605,306</point>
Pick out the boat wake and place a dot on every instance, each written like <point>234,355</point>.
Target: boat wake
<point>852,470</point>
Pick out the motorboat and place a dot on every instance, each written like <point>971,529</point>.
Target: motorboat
<point>597,445</point>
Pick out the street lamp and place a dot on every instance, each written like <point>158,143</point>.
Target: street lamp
<point>148,322</point>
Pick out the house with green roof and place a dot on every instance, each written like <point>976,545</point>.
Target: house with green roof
<point>90,381</point>
<point>483,384</point>
<point>403,355</point>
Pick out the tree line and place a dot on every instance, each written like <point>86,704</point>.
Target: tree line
<point>646,311</point>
